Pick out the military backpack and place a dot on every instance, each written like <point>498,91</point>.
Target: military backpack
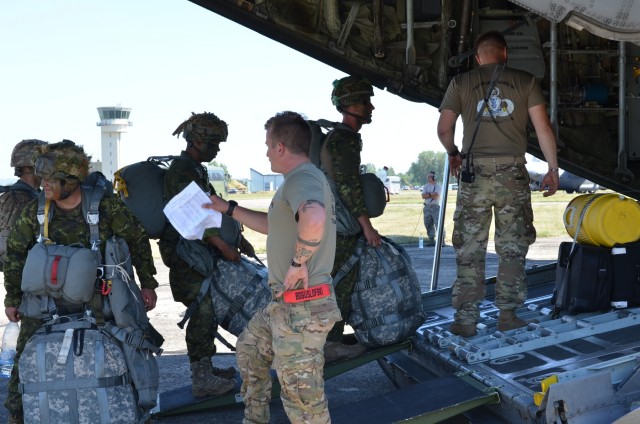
<point>375,193</point>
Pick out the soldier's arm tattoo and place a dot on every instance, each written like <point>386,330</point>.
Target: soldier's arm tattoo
<point>306,245</point>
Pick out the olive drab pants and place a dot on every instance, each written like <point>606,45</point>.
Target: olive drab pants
<point>501,188</point>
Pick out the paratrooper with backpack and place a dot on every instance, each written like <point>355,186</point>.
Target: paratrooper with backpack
<point>203,133</point>
<point>340,158</point>
<point>58,275</point>
<point>15,197</point>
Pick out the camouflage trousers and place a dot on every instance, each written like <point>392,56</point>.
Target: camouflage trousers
<point>431,214</point>
<point>185,285</point>
<point>28,327</point>
<point>291,339</point>
<point>502,188</point>
<point>345,247</point>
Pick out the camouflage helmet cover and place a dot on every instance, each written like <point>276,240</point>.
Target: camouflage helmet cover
<point>24,153</point>
<point>64,160</point>
<point>203,126</point>
<point>350,91</point>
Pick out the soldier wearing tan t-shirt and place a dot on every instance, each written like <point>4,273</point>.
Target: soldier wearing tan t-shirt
<point>502,100</point>
<point>290,332</point>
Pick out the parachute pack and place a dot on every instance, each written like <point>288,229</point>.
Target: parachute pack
<point>114,323</point>
<point>141,187</point>
<point>386,303</point>
<point>13,199</point>
<point>375,194</point>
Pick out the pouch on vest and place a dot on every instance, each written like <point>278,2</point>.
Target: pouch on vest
<point>67,272</point>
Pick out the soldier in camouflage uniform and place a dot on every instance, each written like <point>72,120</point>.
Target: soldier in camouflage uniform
<point>352,98</point>
<point>503,100</point>
<point>203,132</point>
<point>16,196</point>
<point>290,332</point>
<point>62,167</point>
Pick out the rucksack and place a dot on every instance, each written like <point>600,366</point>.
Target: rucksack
<point>13,199</point>
<point>71,372</point>
<point>141,188</point>
<point>386,302</point>
<point>374,191</point>
<point>116,307</point>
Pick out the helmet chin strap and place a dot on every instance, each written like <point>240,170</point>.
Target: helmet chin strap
<point>363,118</point>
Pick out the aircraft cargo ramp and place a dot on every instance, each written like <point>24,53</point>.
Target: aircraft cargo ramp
<point>573,369</point>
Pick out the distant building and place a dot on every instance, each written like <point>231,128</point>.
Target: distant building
<point>264,182</point>
<point>114,120</point>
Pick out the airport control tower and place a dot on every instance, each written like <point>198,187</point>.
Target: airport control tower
<point>114,120</point>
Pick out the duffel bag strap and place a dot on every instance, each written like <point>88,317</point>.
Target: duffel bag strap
<point>350,263</point>
<point>204,289</point>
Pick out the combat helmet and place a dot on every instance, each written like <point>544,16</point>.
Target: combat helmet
<point>350,91</point>
<point>203,127</point>
<point>63,161</point>
<point>24,154</point>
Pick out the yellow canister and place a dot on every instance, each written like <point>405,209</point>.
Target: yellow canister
<point>609,219</point>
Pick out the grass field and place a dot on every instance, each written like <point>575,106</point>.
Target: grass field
<point>402,220</point>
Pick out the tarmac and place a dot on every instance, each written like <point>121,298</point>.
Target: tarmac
<point>352,386</point>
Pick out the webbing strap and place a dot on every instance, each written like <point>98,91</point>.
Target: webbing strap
<point>369,324</point>
<point>204,289</point>
<point>91,197</point>
<point>43,397</point>
<point>135,339</point>
<point>238,302</point>
<point>75,383</point>
<point>380,281</point>
<point>346,268</point>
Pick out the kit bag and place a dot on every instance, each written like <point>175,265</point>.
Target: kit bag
<point>625,260</point>
<point>71,372</point>
<point>584,279</point>
<point>238,290</point>
<point>386,302</point>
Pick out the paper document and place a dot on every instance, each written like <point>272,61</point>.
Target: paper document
<point>188,217</point>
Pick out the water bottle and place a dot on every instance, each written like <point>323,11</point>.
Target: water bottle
<point>420,242</point>
<point>9,341</point>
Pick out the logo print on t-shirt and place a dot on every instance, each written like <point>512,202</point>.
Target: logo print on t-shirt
<point>496,107</point>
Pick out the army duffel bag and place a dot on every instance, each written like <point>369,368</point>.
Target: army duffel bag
<point>71,372</point>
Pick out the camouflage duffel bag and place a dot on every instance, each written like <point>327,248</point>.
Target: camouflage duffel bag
<point>73,373</point>
<point>386,302</point>
<point>238,290</point>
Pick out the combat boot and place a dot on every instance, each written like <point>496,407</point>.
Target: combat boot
<point>205,383</point>
<point>228,372</point>
<point>430,242</point>
<point>463,330</point>
<point>508,320</point>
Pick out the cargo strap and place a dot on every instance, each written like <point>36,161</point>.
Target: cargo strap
<point>237,303</point>
<point>135,339</point>
<point>305,295</point>
<point>205,289</point>
<point>78,383</point>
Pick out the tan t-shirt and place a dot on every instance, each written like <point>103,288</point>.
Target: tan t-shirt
<point>304,183</point>
<point>502,130</point>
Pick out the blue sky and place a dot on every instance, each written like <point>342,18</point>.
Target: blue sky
<point>164,59</point>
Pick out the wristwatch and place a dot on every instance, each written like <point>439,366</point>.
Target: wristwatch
<point>232,206</point>
<point>295,264</point>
